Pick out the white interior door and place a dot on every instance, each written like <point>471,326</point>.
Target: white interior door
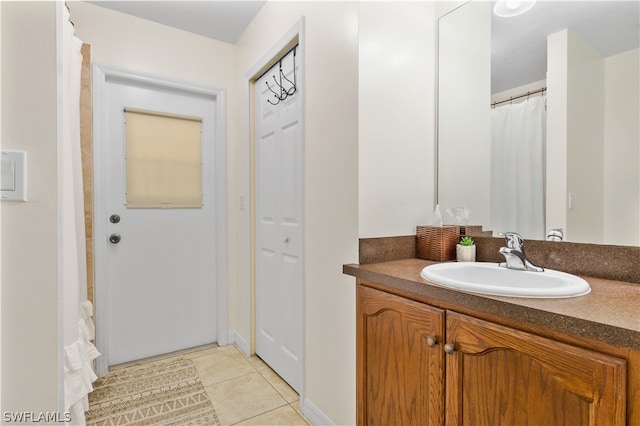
<point>161,274</point>
<point>279,231</point>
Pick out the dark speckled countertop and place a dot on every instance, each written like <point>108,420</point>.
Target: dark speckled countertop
<point>610,313</point>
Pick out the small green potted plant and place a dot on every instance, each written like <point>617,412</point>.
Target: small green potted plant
<point>466,250</point>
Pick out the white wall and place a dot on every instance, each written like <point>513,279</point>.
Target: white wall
<point>330,187</point>
<point>622,149</point>
<point>396,117</point>
<point>30,229</point>
<point>465,161</point>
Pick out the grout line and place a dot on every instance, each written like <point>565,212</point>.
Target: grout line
<point>272,385</point>
<point>299,413</point>
<point>255,370</point>
<point>223,380</point>
<point>264,367</point>
<point>274,388</point>
<point>268,411</point>
<point>284,398</point>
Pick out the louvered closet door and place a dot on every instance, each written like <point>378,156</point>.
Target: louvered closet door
<point>279,230</point>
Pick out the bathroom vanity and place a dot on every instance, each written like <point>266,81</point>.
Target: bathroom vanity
<point>432,355</point>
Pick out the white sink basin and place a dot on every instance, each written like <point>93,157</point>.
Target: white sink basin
<point>489,278</point>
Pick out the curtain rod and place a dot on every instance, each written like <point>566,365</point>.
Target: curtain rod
<point>541,90</point>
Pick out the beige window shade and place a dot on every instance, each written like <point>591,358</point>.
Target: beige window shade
<point>164,160</point>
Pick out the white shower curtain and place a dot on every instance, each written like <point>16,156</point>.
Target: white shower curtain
<point>78,329</point>
<point>517,167</point>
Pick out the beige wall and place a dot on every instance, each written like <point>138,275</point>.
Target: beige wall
<point>396,117</point>
<point>575,130</point>
<point>556,149</point>
<point>331,139</point>
<point>0,216</point>
<point>30,229</point>
<point>465,168</point>
<point>592,143</point>
<point>347,196</point>
<point>330,189</point>
<point>331,169</point>
<point>622,149</point>
<point>585,142</point>
<point>136,45</point>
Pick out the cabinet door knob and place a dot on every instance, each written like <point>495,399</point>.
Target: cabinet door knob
<point>432,341</point>
<point>449,348</point>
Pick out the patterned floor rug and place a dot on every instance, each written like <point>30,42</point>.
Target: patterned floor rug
<point>157,393</point>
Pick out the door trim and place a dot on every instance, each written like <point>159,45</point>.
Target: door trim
<point>101,75</point>
<point>294,35</point>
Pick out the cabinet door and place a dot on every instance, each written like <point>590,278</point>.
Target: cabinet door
<point>399,368</point>
<point>501,376</point>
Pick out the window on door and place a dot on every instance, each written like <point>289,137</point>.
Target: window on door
<point>163,160</point>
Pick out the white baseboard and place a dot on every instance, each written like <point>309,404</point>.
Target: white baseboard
<point>314,414</point>
<point>240,342</point>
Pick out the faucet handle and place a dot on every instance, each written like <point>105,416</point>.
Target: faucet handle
<point>514,240</point>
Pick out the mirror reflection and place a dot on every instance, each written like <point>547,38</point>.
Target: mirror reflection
<point>538,119</point>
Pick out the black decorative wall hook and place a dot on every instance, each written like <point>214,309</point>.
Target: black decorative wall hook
<point>281,93</point>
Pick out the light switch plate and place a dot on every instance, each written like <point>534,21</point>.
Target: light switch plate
<point>8,169</point>
<point>13,169</point>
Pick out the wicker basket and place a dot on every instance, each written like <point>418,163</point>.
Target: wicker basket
<point>471,230</point>
<point>437,243</point>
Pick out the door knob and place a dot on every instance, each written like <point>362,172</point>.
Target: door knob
<point>114,218</point>
<point>449,348</point>
<point>432,341</point>
<point>114,238</point>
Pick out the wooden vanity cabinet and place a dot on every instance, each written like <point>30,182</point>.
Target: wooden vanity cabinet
<point>498,375</point>
<point>421,365</point>
<point>400,371</point>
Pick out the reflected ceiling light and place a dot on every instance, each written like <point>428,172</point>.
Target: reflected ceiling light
<point>508,8</point>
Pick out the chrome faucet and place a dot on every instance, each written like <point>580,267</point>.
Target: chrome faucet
<point>514,254</point>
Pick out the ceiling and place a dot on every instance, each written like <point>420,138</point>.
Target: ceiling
<point>519,44</point>
<point>223,20</point>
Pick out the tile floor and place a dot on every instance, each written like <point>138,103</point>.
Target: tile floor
<point>245,391</point>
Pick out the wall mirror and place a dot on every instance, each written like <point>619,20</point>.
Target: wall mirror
<point>563,150</point>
